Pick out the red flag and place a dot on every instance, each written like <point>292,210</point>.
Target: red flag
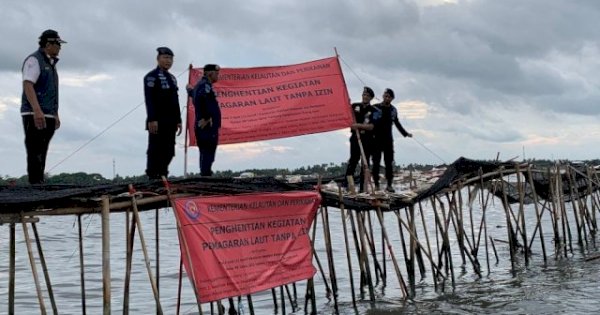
<point>277,102</point>
<point>238,245</point>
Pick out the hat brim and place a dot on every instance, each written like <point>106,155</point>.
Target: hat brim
<point>57,40</point>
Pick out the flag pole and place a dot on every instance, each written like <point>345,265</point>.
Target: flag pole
<point>365,163</point>
<point>187,119</point>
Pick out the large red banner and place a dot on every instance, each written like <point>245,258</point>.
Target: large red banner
<point>277,102</point>
<point>243,244</point>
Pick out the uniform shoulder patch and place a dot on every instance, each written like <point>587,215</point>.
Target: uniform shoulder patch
<point>150,81</point>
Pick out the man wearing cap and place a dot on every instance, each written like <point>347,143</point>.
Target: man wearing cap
<point>208,117</point>
<point>39,103</point>
<point>386,116</point>
<point>363,128</point>
<point>163,120</point>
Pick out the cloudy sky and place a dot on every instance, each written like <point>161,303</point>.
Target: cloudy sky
<point>473,78</point>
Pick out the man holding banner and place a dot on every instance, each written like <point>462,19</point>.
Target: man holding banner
<point>208,118</point>
<point>363,114</point>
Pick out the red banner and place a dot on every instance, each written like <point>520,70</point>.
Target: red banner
<point>243,244</point>
<point>277,102</point>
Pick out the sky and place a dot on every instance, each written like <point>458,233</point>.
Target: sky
<point>473,78</point>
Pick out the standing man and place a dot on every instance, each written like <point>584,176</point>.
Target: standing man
<point>208,118</point>
<point>386,115</point>
<point>39,103</point>
<point>363,114</point>
<point>163,120</point>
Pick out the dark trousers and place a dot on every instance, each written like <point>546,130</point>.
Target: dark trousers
<point>207,144</point>
<point>36,144</point>
<point>355,158</point>
<point>161,150</point>
<point>385,147</point>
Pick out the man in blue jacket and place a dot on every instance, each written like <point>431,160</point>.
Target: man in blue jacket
<point>386,117</point>
<point>39,103</point>
<point>208,117</point>
<point>163,120</point>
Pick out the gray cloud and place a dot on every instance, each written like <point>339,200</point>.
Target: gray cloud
<point>493,74</point>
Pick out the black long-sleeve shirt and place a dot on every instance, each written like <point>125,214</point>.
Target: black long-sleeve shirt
<point>386,117</point>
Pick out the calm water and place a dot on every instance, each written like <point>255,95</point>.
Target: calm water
<point>564,286</point>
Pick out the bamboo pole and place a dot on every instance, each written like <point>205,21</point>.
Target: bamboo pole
<point>383,258</point>
<point>412,246</point>
<point>446,242</point>
<point>565,222</point>
<point>509,229</point>
<point>44,269</point>
<point>458,225</point>
<point>11,270</point>
<point>572,195</point>
<point>329,252</point>
<point>106,255</point>
<point>34,273</point>
<point>537,212</point>
<point>370,236</point>
<point>578,205</point>
<point>483,224</point>
<point>145,252</point>
<point>586,216</point>
<point>274,295</point>
<point>554,213</point>
<point>363,272</point>
<point>472,196</point>
<point>371,241</point>
<point>312,243</point>
<point>457,209</point>
<point>494,248</point>
<point>293,303</point>
<point>522,214</point>
<point>419,245</point>
<point>405,253</point>
<point>364,255</point>
<point>127,266</point>
<point>283,300</point>
<point>128,262</point>
<point>426,231</point>
<point>81,266</point>
<point>179,285</point>
<point>250,305</point>
<point>391,250</point>
<point>594,228</point>
<point>346,242</point>
<point>591,171</point>
<point>157,244</point>
<point>182,239</point>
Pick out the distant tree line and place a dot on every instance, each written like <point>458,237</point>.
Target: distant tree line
<point>324,170</point>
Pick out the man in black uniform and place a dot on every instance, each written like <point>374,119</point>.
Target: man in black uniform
<point>163,120</point>
<point>363,114</point>
<point>385,116</point>
<point>208,117</point>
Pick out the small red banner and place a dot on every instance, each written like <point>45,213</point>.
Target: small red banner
<point>243,244</point>
<point>277,102</point>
